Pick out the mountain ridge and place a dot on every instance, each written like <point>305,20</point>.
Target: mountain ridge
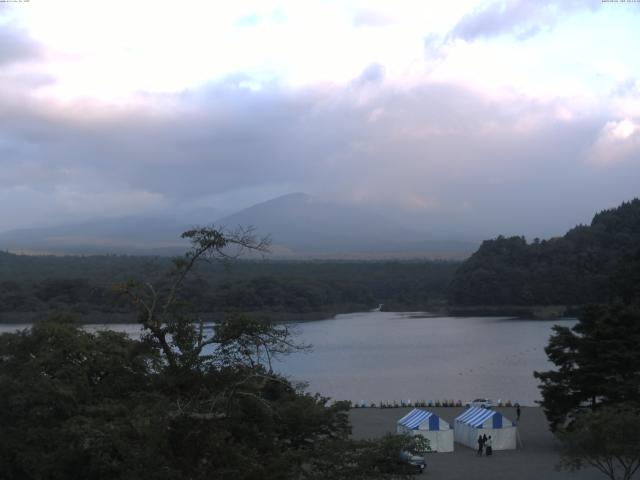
<point>301,226</point>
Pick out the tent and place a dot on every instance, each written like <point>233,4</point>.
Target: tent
<point>430,426</point>
<point>476,421</point>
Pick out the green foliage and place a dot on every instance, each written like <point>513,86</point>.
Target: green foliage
<point>570,270</point>
<point>592,399</point>
<point>362,459</point>
<point>607,439</point>
<point>76,405</point>
<point>84,284</point>
<point>180,403</point>
<point>420,444</point>
<point>626,279</point>
<point>598,363</point>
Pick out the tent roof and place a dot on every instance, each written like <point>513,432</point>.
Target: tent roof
<point>475,416</point>
<point>415,418</point>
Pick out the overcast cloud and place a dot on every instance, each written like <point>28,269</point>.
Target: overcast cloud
<point>474,146</point>
<point>15,44</point>
<point>520,18</point>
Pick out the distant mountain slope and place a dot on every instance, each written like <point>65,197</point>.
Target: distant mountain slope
<point>142,235</point>
<point>304,226</point>
<point>573,269</point>
<point>301,227</point>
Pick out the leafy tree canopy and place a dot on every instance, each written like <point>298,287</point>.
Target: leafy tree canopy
<point>180,402</point>
<point>598,360</point>
<point>607,439</point>
<point>598,363</point>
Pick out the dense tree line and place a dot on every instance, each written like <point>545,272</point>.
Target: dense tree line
<point>85,284</point>
<point>571,270</point>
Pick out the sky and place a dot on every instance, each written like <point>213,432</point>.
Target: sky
<point>484,117</point>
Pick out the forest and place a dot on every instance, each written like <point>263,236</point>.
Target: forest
<point>574,269</point>
<point>85,285</point>
<point>578,268</point>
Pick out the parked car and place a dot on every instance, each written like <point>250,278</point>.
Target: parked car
<point>416,461</point>
<point>480,402</point>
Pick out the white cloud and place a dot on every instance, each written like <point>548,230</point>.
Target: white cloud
<point>618,141</point>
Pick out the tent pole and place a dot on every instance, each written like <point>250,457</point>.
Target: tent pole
<point>518,439</point>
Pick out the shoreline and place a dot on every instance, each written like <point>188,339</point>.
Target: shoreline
<point>531,312</point>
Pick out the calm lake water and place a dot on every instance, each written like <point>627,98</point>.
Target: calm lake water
<point>378,356</point>
<point>385,356</point>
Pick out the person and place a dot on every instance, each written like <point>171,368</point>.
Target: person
<point>517,412</point>
<point>484,439</point>
<point>480,444</point>
<point>489,446</point>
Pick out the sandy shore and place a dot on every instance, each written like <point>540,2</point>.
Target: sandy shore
<point>535,459</point>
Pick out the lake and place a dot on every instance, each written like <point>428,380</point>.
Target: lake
<point>386,356</point>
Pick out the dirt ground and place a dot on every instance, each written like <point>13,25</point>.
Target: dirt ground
<point>535,458</point>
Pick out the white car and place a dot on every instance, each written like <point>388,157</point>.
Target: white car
<point>480,402</point>
<point>417,462</point>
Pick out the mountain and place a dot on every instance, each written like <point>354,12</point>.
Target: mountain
<point>577,268</point>
<point>303,226</point>
<point>300,226</point>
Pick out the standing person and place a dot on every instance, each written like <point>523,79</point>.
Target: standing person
<point>489,445</point>
<point>484,439</point>
<point>517,412</point>
<point>480,445</point>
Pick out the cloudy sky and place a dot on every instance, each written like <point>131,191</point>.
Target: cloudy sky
<point>495,116</point>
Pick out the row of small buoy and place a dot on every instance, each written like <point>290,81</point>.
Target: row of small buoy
<point>422,403</point>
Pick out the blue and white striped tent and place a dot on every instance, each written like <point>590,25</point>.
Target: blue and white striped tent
<point>430,426</point>
<point>477,421</point>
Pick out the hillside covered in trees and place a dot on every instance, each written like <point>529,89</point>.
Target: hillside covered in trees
<point>575,269</point>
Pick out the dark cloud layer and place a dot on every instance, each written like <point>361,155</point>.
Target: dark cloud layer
<point>437,154</point>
